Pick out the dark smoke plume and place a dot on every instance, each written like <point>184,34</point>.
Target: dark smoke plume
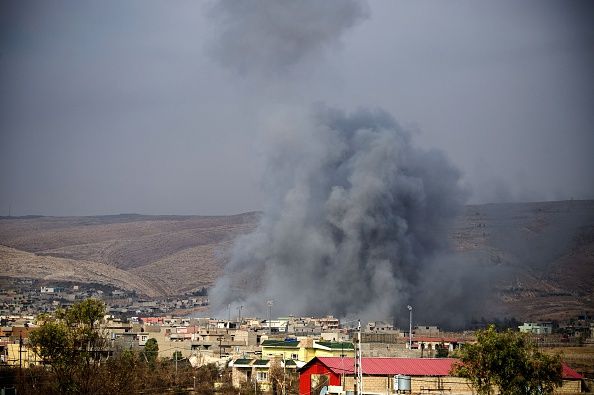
<point>355,216</point>
<point>265,36</point>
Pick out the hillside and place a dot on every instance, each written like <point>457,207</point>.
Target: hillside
<point>21,264</point>
<point>166,255</point>
<point>541,255</point>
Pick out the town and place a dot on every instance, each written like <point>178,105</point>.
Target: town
<point>30,297</point>
<point>307,349</point>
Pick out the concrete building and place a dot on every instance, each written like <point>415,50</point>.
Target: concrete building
<point>16,355</point>
<point>380,376</point>
<point>290,353</point>
<point>537,328</point>
<point>257,370</point>
<point>430,344</point>
<point>304,349</point>
<point>423,330</point>
<point>379,326</point>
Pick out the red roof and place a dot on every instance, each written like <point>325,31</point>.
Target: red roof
<point>569,373</point>
<point>406,366</point>
<point>392,366</point>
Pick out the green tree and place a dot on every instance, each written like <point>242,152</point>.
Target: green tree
<point>177,355</point>
<point>509,361</point>
<point>441,351</point>
<point>71,345</point>
<point>151,350</point>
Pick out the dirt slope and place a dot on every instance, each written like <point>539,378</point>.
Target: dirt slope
<point>21,264</point>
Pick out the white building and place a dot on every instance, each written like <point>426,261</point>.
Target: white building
<point>537,328</point>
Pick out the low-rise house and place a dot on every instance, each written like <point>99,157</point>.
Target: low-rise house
<point>328,323</point>
<point>379,326</point>
<point>289,353</point>
<point>424,330</point>
<point>20,354</point>
<point>537,328</point>
<point>275,326</point>
<point>430,344</point>
<point>258,370</point>
<point>389,375</point>
<point>305,349</point>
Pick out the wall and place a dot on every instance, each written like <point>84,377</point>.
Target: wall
<point>427,385</point>
<point>27,356</point>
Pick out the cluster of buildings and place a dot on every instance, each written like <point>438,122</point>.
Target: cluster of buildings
<point>30,297</point>
<point>577,330</point>
<point>201,340</point>
<point>319,350</point>
<point>323,359</point>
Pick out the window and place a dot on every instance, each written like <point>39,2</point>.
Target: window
<point>294,356</point>
<point>262,376</point>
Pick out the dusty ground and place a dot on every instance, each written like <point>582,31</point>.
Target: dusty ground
<point>579,358</point>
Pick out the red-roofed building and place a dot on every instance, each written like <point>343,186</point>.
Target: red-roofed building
<point>426,375</point>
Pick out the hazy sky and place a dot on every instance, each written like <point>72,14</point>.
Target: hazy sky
<point>158,107</point>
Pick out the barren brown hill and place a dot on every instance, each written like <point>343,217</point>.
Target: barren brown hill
<point>21,264</point>
<point>166,255</point>
<point>541,255</point>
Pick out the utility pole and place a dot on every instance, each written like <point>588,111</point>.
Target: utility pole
<point>220,349</point>
<point>284,375</point>
<point>21,350</point>
<point>358,363</point>
<point>229,317</point>
<point>269,303</point>
<point>409,307</point>
<point>175,354</point>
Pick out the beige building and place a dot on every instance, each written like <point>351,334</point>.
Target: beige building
<point>15,355</point>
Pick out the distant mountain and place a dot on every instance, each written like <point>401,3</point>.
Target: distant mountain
<point>540,255</point>
<point>162,255</point>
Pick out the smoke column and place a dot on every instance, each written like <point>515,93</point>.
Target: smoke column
<point>272,36</point>
<point>354,215</point>
<point>355,219</point>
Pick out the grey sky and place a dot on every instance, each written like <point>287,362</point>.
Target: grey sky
<point>112,106</point>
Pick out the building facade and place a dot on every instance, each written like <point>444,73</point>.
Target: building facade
<point>335,376</point>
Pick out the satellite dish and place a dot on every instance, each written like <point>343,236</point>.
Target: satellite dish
<point>324,390</point>
<point>193,361</point>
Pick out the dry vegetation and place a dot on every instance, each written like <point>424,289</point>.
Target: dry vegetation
<point>579,358</point>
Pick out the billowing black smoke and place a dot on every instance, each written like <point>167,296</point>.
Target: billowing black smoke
<point>355,216</point>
